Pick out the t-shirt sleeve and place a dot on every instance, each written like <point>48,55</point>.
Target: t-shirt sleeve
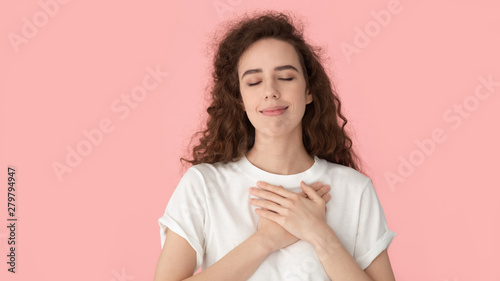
<point>185,213</point>
<point>373,235</point>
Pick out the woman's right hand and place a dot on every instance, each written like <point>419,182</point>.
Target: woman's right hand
<point>274,235</point>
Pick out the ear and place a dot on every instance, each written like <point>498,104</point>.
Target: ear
<point>309,97</point>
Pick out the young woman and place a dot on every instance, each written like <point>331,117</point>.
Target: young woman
<point>275,191</point>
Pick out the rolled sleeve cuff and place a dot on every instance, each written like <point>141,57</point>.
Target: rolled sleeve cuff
<point>167,222</point>
<point>383,242</point>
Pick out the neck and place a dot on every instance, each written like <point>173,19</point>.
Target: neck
<point>280,155</point>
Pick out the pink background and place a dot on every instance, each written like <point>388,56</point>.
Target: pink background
<point>99,221</point>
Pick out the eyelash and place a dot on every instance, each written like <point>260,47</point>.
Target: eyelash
<point>286,79</point>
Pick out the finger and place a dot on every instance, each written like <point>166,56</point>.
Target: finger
<point>267,195</point>
<point>309,191</point>
<point>266,209</point>
<point>275,189</point>
<point>323,190</point>
<point>316,186</point>
<point>268,215</point>
<point>326,197</point>
<point>267,205</point>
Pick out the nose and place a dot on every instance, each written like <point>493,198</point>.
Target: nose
<point>271,90</point>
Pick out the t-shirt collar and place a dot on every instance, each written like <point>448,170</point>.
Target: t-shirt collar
<point>283,180</point>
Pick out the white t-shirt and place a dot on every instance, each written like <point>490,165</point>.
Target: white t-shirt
<point>210,208</point>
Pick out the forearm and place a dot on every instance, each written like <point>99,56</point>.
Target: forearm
<point>336,260</point>
<point>239,264</point>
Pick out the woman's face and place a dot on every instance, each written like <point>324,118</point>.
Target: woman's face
<point>273,88</point>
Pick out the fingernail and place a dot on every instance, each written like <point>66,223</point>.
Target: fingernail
<point>259,184</point>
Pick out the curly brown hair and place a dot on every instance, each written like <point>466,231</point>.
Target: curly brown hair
<point>229,134</point>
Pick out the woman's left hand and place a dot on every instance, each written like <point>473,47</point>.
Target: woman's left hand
<point>298,215</point>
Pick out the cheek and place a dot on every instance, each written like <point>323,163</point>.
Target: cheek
<point>249,102</point>
<point>244,100</point>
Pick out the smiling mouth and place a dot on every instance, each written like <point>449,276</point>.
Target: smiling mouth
<point>274,111</point>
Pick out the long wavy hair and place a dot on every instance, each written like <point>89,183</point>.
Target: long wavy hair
<point>228,134</point>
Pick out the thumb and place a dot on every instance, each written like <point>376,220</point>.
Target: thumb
<point>311,193</point>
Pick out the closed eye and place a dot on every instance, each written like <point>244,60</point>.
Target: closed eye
<point>285,79</point>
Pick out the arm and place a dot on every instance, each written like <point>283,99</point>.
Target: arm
<point>306,220</point>
<point>240,263</point>
<point>177,260</point>
<point>340,265</point>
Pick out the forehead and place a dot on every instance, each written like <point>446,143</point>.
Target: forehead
<point>268,53</point>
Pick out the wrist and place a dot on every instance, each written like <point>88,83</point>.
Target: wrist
<point>262,244</point>
<point>323,237</point>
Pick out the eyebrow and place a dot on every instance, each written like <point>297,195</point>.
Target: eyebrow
<point>277,68</point>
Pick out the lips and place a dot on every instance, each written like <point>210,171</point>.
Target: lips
<point>274,111</point>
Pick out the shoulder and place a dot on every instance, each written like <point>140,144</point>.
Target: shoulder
<point>212,171</point>
<point>345,176</point>
<point>202,180</point>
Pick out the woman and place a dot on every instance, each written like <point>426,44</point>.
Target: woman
<point>248,209</point>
